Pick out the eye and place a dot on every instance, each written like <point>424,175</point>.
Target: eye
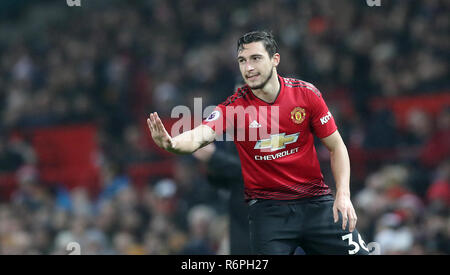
<point>256,58</point>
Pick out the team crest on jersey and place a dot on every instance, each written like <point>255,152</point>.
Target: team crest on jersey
<point>298,115</point>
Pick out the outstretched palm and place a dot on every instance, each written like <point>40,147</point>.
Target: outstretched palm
<point>159,133</point>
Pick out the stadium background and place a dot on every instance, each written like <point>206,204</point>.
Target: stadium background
<point>77,83</point>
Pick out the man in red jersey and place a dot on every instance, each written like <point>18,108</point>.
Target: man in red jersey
<point>273,121</point>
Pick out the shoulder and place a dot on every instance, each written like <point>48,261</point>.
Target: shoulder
<point>306,88</point>
<point>238,96</point>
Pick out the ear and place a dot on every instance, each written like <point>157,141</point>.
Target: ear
<point>276,59</point>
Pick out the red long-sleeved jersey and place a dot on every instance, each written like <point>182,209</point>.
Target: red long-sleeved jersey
<point>275,140</point>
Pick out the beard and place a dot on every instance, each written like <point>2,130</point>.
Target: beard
<point>263,84</point>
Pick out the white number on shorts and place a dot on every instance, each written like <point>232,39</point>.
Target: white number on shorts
<point>357,246</point>
<point>362,243</point>
<point>351,242</point>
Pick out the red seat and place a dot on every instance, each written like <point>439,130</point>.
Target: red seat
<point>67,155</point>
<point>8,184</point>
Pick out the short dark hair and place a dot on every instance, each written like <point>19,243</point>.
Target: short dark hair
<point>256,36</point>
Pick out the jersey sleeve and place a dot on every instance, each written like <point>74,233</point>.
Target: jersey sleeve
<point>217,120</point>
<point>222,119</point>
<point>322,121</point>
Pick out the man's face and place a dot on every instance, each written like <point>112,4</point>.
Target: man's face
<point>255,64</point>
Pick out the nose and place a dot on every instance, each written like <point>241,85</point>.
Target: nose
<point>249,67</point>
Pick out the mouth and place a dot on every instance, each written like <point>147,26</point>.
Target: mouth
<point>252,77</point>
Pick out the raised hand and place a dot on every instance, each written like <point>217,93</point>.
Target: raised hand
<point>159,134</point>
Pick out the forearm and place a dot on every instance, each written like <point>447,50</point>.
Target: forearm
<point>190,141</point>
<point>340,166</point>
<point>184,143</point>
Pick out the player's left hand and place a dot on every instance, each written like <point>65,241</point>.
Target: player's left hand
<point>343,204</point>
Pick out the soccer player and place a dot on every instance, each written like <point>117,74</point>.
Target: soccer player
<point>289,203</point>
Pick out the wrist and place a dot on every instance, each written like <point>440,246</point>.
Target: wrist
<point>171,147</point>
<point>172,144</point>
<point>343,193</point>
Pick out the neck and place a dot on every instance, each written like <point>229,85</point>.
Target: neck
<point>269,92</point>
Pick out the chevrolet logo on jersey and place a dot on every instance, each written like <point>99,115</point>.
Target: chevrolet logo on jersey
<point>276,142</point>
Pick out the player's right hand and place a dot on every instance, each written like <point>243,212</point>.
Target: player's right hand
<point>159,133</point>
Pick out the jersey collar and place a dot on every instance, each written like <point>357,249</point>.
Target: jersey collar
<point>280,91</point>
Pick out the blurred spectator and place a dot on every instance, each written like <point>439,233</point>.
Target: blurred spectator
<point>392,236</point>
<point>10,160</point>
<point>125,244</point>
<point>224,171</point>
<point>200,219</point>
<point>437,148</point>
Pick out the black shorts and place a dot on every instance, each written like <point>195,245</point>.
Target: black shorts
<point>279,227</point>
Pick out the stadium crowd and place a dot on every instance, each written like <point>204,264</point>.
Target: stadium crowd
<point>110,63</point>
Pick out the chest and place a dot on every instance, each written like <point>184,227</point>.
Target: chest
<point>255,122</point>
